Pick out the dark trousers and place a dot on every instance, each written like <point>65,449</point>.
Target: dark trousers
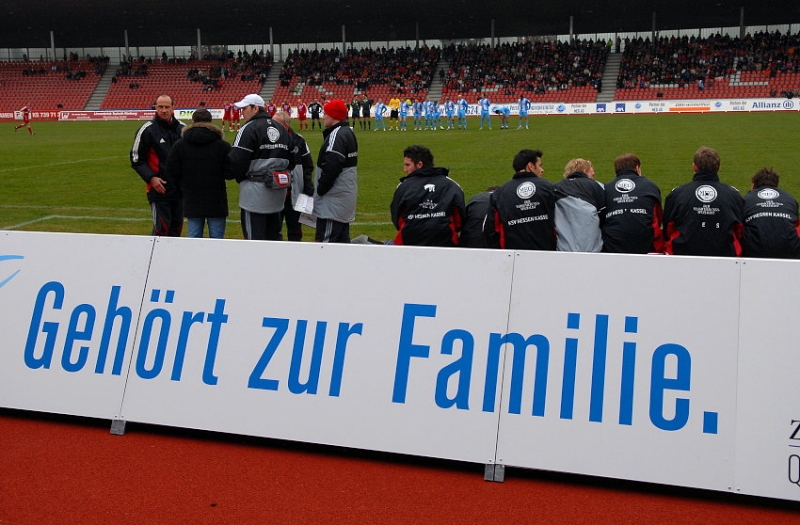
<point>167,218</point>
<point>329,230</point>
<point>261,226</point>
<point>294,230</point>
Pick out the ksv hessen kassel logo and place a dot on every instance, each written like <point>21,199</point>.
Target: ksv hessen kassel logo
<point>625,185</point>
<point>526,190</point>
<point>768,194</point>
<point>273,134</point>
<point>706,193</point>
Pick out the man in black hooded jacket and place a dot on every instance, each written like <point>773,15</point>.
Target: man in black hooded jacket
<point>198,163</point>
<point>428,206</point>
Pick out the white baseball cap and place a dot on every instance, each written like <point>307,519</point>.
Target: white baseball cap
<point>250,100</point>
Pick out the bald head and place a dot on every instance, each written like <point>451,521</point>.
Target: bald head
<point>283,118</point>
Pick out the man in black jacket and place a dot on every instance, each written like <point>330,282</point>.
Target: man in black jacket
<point>151,146</point>
<point>704,216</point>
<point>771,225</point>
<point>198,164</point>
<point>632,222</point>
<point>301,178</point>
<point>522,211</point>
<point>428,206</point>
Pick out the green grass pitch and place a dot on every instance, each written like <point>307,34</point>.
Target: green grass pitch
<point>76,176</point>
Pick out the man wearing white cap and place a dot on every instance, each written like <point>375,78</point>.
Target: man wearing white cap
<point>261,162</point>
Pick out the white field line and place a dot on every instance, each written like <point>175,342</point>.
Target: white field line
<point>133,219</point>
<point>53,164</point>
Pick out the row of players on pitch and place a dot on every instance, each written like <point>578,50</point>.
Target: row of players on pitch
<point>578,213</point>
<point>424,114</point>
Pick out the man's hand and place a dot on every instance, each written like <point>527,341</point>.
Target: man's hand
<point>158,184</point>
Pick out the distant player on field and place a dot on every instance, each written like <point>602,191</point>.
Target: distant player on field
<point>26,119</point>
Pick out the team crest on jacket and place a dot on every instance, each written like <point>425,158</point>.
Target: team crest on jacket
<point>768,194</point>
<point>430,187</point>
<point>273,134</point>
<point>625,185</point>
<point>526,190</point>
<point>706,193</point>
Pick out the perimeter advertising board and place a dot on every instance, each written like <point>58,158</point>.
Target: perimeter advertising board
<point>66,302</point>
<point>628,367</point>
<point>674,370</point>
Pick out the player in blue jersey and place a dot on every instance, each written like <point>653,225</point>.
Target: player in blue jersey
<point>380,111</point>
<point>417,107</point>
<point>437,115</point>
<point>405,106</point>
<point>504,112</point>
<point>461,107</point>
<point>449,113</point>
<point>484,104</point>
<point>524,107</point>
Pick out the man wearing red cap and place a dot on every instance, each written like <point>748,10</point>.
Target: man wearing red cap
<point>336,177</point>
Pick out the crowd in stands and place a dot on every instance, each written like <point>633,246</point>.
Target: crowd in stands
<point>532,66</point>
<point>693,60</point>
<point>404,70</point>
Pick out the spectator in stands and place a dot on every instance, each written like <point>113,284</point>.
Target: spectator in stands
<point>771,225</point>
<point>428,206</point>
<point>704,216</point>
<point>336,176</point>
<point>260,162</point>
<point>579,209</point>
<point>302,174</point>
<point>632,221</point>
<point>151,146</point>
<point>198,164</point>
<point>522,211</point>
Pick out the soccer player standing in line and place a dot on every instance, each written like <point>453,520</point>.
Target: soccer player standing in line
<point>524,107</point>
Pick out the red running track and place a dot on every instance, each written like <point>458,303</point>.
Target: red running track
<point>63,470</point>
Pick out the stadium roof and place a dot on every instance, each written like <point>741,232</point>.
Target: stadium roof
<point>96,23</point>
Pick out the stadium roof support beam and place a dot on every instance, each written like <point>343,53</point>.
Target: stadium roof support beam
<point>741,22</point>
<point>653,30</point>
<point>199,45</point>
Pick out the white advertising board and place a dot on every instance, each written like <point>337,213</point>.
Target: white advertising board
<point>66,303</point>
<point>768,434</point>
<point>361,346</point>
<point>672,370</point>
<point>630,370</point>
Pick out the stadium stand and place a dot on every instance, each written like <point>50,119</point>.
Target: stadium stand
<point>764,64</point>
<point>544,72</point>
<point>382,73</point>
<point>756,66</point>
<point>137,83</point>
<point>48,85</point>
